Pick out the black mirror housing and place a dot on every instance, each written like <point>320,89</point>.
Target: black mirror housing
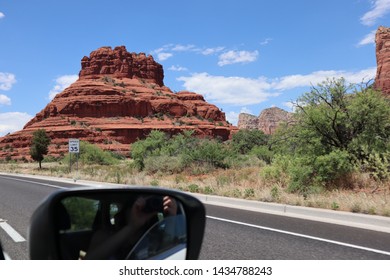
<point>44,227</point>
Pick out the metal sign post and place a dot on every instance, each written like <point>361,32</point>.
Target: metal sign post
<point>74,148</point>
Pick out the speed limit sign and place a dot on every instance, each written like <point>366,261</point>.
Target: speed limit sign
<point>74,146</point>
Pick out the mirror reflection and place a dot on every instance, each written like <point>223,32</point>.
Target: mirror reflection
<point>121,226</point>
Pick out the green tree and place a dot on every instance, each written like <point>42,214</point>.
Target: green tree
<point>335,115</point>
<point>180,144</point>
<point>338,128</point>
<point>151,145</point>
<point>39,146</point>
<point>246,139</point>
<point>208,151</point>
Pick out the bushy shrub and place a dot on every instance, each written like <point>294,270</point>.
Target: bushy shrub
<point>210,152</point>
<point>307,174</point>
<point>263,153</point>
<point>332,166</point>
<point>173,154</point>
<point>166,164</point>
<point>92,154</point>
<point>208,190</point>
<point>246,139</point>
<point>199,168</point>
<point>277,171</point>
<point>151,145</point>
<point>249,192</point>
<point>238,161</point>
<point>302,176</point>
<point>194,188</point>
<point>377,165</point>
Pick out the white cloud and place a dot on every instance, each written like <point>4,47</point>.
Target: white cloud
<point>162,49</point>
<point>2,15</point>
<point>246,111</point>
<point>368,39</point>
<point>232,57</point>
<point>232,117</point>
<point>62,83</point>
<point>266,41</point>
<point>228,57</point>
<point>4,100</point>
<point>6,81</point>
<point>170,50</point>
<point>182,48</point>
<point>209,51</point>
<point>177,68</point>
<point>167,51</point>
<point>361,76</point>
<point>379,9</point>
<point>290,105</point>
<point>12,121</point>
<point>295,81</point>
<point>242,91</point>
<point>229,90</point>
<point>163,56</point>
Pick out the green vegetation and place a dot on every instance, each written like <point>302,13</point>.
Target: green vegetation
<point>39,146</point>
<point>92,154</point>
<point>245,140</point>
<point>339,130</point>
<point>159,153</point>
<point>82,212</point>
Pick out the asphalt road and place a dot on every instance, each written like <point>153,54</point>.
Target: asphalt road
<point>230,233</point>
<point>237,234</point>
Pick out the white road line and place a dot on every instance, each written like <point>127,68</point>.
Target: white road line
<point>3,223</point>
<point>11,232</point>
<point>302,235</point>
<point>37,183</point>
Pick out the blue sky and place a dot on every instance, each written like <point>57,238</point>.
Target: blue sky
<point>243,56</point>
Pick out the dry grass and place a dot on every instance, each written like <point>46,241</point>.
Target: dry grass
<point>361,195</point>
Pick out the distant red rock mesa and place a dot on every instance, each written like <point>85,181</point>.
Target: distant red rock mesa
<point>382,40</point>
<point>119,98</point>
<point>268,120</point>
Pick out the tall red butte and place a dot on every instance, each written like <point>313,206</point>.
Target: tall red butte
<point>119,98</point>
<point>382,40</point>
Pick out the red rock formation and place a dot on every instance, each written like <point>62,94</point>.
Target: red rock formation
<point>268,120</point>
<point>247,121</point>
<point>382,40</point>
<point>118,63</point>
<point>119,98</point>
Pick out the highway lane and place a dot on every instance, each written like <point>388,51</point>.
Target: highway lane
<point>19,197</point>
<point>238,234</point>
<point>243,235</point>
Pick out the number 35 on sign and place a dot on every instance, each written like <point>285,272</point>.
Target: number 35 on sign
<point>74,146</point>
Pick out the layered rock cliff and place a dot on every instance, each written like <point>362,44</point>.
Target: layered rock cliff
<point>268,120</point>
<point>382,40</point>
<point>119,98</point>
<point>119,63</point>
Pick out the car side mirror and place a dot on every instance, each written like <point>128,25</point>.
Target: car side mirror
<point>117,223</point>
<point>2,257</point>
